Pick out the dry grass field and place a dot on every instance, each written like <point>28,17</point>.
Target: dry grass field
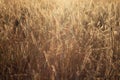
<point>59,40</point>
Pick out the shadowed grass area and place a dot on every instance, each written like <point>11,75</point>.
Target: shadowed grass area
<point>43,40</point>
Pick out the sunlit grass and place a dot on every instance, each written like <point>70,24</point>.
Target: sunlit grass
<point>59,40</point>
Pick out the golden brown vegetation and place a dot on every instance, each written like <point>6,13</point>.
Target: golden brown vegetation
<point>45,40</point>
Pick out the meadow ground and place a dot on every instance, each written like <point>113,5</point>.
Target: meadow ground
<point>59,40</point>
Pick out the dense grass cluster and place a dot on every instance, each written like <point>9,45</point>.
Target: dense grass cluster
<point>46,40</point>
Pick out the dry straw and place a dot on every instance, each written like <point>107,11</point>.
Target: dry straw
<point>42,40</point>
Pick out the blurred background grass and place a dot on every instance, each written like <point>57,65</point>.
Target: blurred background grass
<point>55,40</point>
